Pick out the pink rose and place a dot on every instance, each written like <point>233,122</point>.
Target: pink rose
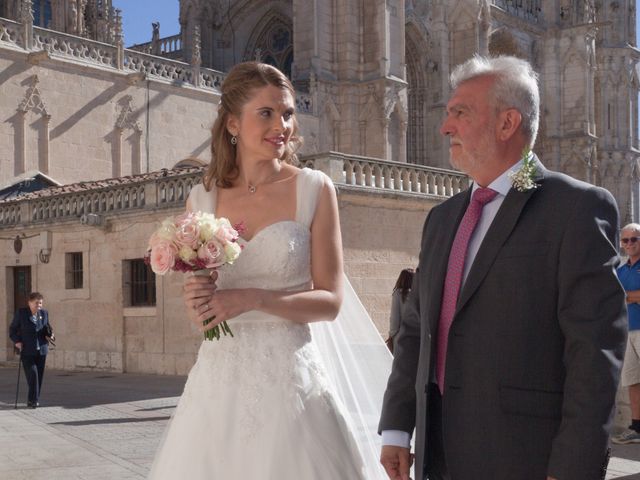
<point>211,253</point>
<point>187,230</point>
<point>163,257</point>
<point>226,233</point>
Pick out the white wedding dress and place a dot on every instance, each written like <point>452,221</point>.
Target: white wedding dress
<point>265,405</point>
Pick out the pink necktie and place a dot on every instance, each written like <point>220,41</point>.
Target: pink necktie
<point>455,271</point>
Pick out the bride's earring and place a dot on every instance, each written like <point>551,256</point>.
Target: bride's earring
<point>234,140</point>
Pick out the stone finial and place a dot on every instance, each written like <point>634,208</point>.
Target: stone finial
<point>196,52</point>
<point>26,12</point>
<point>119,36</point>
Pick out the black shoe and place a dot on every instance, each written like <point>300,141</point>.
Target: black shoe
<point>32,404</point>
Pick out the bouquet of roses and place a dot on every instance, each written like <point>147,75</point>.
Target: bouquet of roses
<point>194,242</point>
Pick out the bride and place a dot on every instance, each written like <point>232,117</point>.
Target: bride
<point>270,403</point>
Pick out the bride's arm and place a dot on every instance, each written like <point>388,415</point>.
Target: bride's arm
<point>322,302</point>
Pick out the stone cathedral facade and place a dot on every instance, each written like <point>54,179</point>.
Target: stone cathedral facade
<point>79,107</point>
<point>375,75</point>
<point>378,71</point>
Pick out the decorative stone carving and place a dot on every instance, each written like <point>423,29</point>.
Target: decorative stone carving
<point>33,99</point>
<point>126,119</point>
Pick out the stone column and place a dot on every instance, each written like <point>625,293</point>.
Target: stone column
<point>26,18</point>
<point>22,142</point>
<point>119,40</point>
<point>117,161</point>
<point>196,57</point>
<point>44,158</point>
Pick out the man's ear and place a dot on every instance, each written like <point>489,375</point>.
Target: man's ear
<point>509,122</point>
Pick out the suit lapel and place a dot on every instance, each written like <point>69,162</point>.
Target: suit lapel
<point>501,227</point>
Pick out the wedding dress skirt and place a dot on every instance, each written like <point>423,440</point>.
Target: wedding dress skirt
<point>259,410</point>
<point>271,403</point>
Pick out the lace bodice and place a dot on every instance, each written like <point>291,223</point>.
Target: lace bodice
<point>278,257</point>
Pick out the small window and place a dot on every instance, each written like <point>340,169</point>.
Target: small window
<point>139,284</point>
<point>73,270</point>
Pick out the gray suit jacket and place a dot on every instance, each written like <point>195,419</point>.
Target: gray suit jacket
<point>536,343</point>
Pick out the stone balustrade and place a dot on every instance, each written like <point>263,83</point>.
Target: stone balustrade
<point>170,189</point>
<point>165,45</point>
<point>42,42</point>
<point>382,175</point>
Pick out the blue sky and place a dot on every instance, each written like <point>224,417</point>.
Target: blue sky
<point>137,16</point>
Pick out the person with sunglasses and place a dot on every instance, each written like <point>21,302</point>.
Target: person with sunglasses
<point>629,275</point>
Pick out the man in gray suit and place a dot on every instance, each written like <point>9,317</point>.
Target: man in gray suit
<point>509,354</point>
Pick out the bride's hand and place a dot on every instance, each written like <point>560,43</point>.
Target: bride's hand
<point>227,304</point>
<point>196,292</point>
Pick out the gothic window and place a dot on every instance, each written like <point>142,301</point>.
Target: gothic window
<point>416,98</point>
<point>275,46</point>
<point>42,13</point>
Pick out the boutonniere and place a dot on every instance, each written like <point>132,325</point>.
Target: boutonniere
<point>522,180</point>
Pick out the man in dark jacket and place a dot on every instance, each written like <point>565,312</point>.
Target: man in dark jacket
<point>28,331</point>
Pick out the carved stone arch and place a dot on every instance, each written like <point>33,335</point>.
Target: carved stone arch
<point>576,167</point>
<point>330,124</point>
<point>463,31</point>
<point>461,10</point>
<point>369,119</point>
<point>574,53</point>
<point>397,133</point>
<point>28,140</point>
<point>503,42</point>
<point>573,92</point>
<point>272,41</point>
<point>186,7</point>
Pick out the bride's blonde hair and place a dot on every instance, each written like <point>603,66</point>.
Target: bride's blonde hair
<point>237,89</point>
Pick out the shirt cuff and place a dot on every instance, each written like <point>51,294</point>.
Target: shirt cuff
<point>396,438</point>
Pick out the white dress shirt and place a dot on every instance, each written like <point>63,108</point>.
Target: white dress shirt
<point>502,185</point>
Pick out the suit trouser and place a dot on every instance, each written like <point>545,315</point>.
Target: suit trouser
<point>34,371</point>
<point>435,461</point>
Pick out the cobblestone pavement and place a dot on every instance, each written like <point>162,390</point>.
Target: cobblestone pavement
<point>107,426</point>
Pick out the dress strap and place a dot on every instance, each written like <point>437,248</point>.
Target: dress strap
<point>201,200</point>
<point>309,184</point>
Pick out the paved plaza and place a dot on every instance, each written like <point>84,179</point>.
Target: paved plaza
<point>106,426</point>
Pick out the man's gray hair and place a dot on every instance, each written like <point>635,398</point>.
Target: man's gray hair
<point>516,86</point>
<point>634,227</point>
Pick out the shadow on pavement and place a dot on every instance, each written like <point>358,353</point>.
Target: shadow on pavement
<point>86,389</point>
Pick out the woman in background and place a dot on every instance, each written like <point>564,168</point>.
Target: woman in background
<point>398,297</point>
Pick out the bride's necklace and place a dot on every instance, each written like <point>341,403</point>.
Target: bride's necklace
<point>253,187</point>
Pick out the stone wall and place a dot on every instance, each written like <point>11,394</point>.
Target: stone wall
<point>382,209</point>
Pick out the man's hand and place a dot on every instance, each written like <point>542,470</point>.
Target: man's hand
<point>633,296</point>
<point>396,462</point>
<point>18,346</point>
